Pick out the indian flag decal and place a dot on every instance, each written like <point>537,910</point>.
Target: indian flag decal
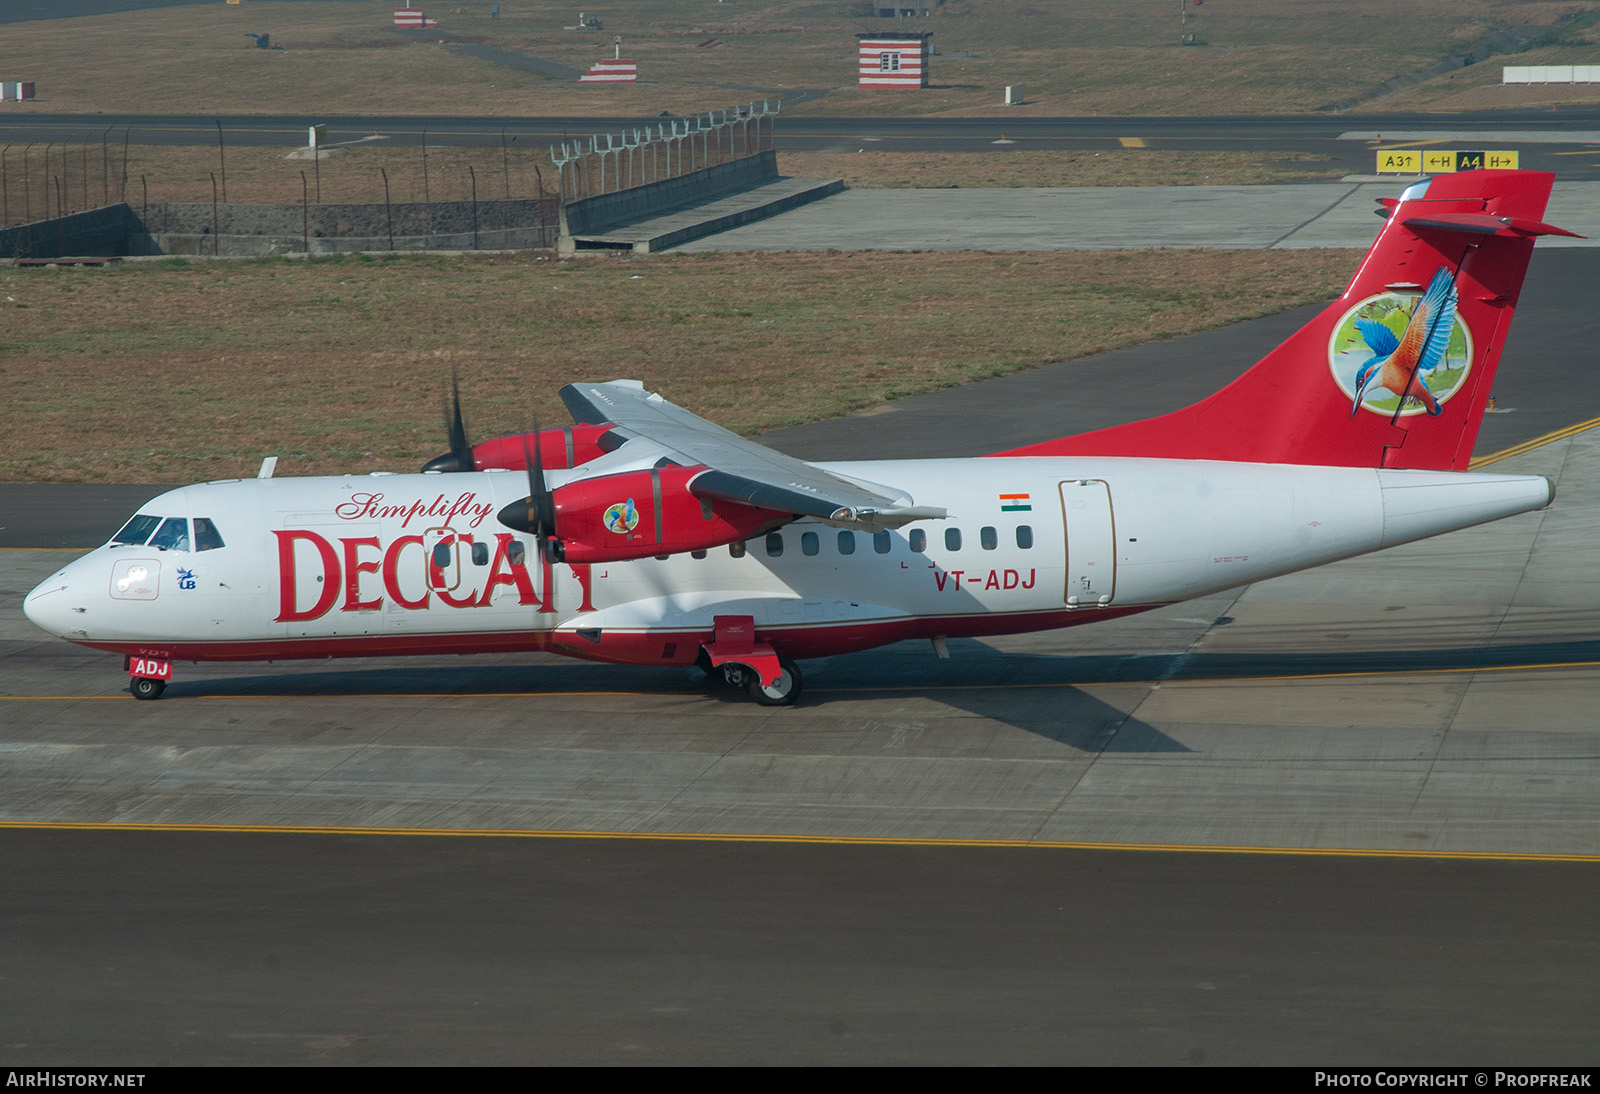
<point>1016,503</point>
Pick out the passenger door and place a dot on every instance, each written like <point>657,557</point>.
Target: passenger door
<point>1091,543</point>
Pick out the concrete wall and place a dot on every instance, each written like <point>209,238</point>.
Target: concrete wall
<point>592,216</point>
<point>187,228</point>
<point>1550,74</point>
<point>195,228</point>
<point>103,231</point>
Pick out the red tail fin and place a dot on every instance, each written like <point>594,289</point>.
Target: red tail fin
<point>1397,371</point>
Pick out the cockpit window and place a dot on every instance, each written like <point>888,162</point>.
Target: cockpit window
<point>137,530</point>
<point>173,535</point>
<point>206,536</point>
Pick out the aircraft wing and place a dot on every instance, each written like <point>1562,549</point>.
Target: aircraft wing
<point>739,470</point>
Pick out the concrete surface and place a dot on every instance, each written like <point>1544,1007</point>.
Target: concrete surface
<point>1318,214</point>
<point>1390,702</point>
<point>660,231</point>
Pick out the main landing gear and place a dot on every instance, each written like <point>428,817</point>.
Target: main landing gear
<point>742,660</point>
<point>781,693</point>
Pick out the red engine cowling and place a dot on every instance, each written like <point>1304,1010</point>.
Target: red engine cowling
<point>637,514</point>
<point>571,446</point>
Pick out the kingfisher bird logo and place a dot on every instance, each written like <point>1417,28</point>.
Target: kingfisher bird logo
<point>622,517</point>
<point>1402,351</point>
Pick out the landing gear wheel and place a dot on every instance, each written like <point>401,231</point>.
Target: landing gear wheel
<point>780,694</point>
<point>145,688</point>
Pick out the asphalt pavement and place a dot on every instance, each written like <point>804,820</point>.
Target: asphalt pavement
<point>1343,817</point>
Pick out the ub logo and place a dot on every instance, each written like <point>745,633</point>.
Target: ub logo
<point>185,579</point>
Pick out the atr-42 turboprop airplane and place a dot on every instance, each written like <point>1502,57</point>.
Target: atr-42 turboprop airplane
<point>646,535</point>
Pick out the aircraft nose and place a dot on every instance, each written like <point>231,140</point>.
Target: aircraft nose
<point>49,606</point>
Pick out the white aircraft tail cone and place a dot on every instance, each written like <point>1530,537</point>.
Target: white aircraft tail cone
<point>1418,504</point>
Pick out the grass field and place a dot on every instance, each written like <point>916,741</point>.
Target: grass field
<point>172,371</point>
<point>175,371</point>
<point>1074,56</point>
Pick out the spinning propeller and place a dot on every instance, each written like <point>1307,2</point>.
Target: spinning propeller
<point>536,513</point>
<point>460,457</point>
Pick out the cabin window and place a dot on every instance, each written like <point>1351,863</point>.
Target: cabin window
<point>516,554</point>
<point>809,544</point>
<point>480,554</point>
<point>137,530</point>
<point>441,554</point>
<point>952,539</point>
<point>919,540</point>
<point>173,535</point>
<point>988,538</point>
<point>881,542</point>
<point>847,543</point>
<point>698,554</point>
<point>774,544</point>
<point>206,536</point>
<point>736,549</point>
<point>1024,536</point>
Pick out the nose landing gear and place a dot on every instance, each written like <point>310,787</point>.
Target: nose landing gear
<point>148,676</point>
<point>145,688</point>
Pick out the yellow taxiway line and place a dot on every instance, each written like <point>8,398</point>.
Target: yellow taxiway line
<point>408,696</point>
<point>1529,446</point>
<point>1382,147</point>
<point>748,837</point>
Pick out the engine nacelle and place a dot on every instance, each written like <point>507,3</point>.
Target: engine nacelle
<point>636,514</point>
<point>571,446</point>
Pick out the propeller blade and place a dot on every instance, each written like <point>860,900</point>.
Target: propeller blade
<point>535,514</point>
<point>460,457</point>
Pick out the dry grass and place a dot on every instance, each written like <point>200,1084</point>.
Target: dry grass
<point>1074,56</point>
<point>176,371</point>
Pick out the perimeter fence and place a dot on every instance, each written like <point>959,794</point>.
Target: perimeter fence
<point>366,194</point>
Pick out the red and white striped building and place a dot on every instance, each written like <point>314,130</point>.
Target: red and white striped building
<point>412,17</point>
<point>614,71</point>
<point>894,60</point>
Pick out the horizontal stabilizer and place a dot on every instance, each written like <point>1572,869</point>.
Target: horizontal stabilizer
<point>1484,224</point>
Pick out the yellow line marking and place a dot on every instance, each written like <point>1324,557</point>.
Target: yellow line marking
<point>1408,144</point>
<point>122,695</point>
<point>36,550</point>
<point>1585,152</point>
<point>1529,446</point>
<point>916,689</point>
<point>1131,142</point>
<point>747,837</point>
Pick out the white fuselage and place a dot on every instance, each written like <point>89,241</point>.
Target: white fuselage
<point>348,566</point>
